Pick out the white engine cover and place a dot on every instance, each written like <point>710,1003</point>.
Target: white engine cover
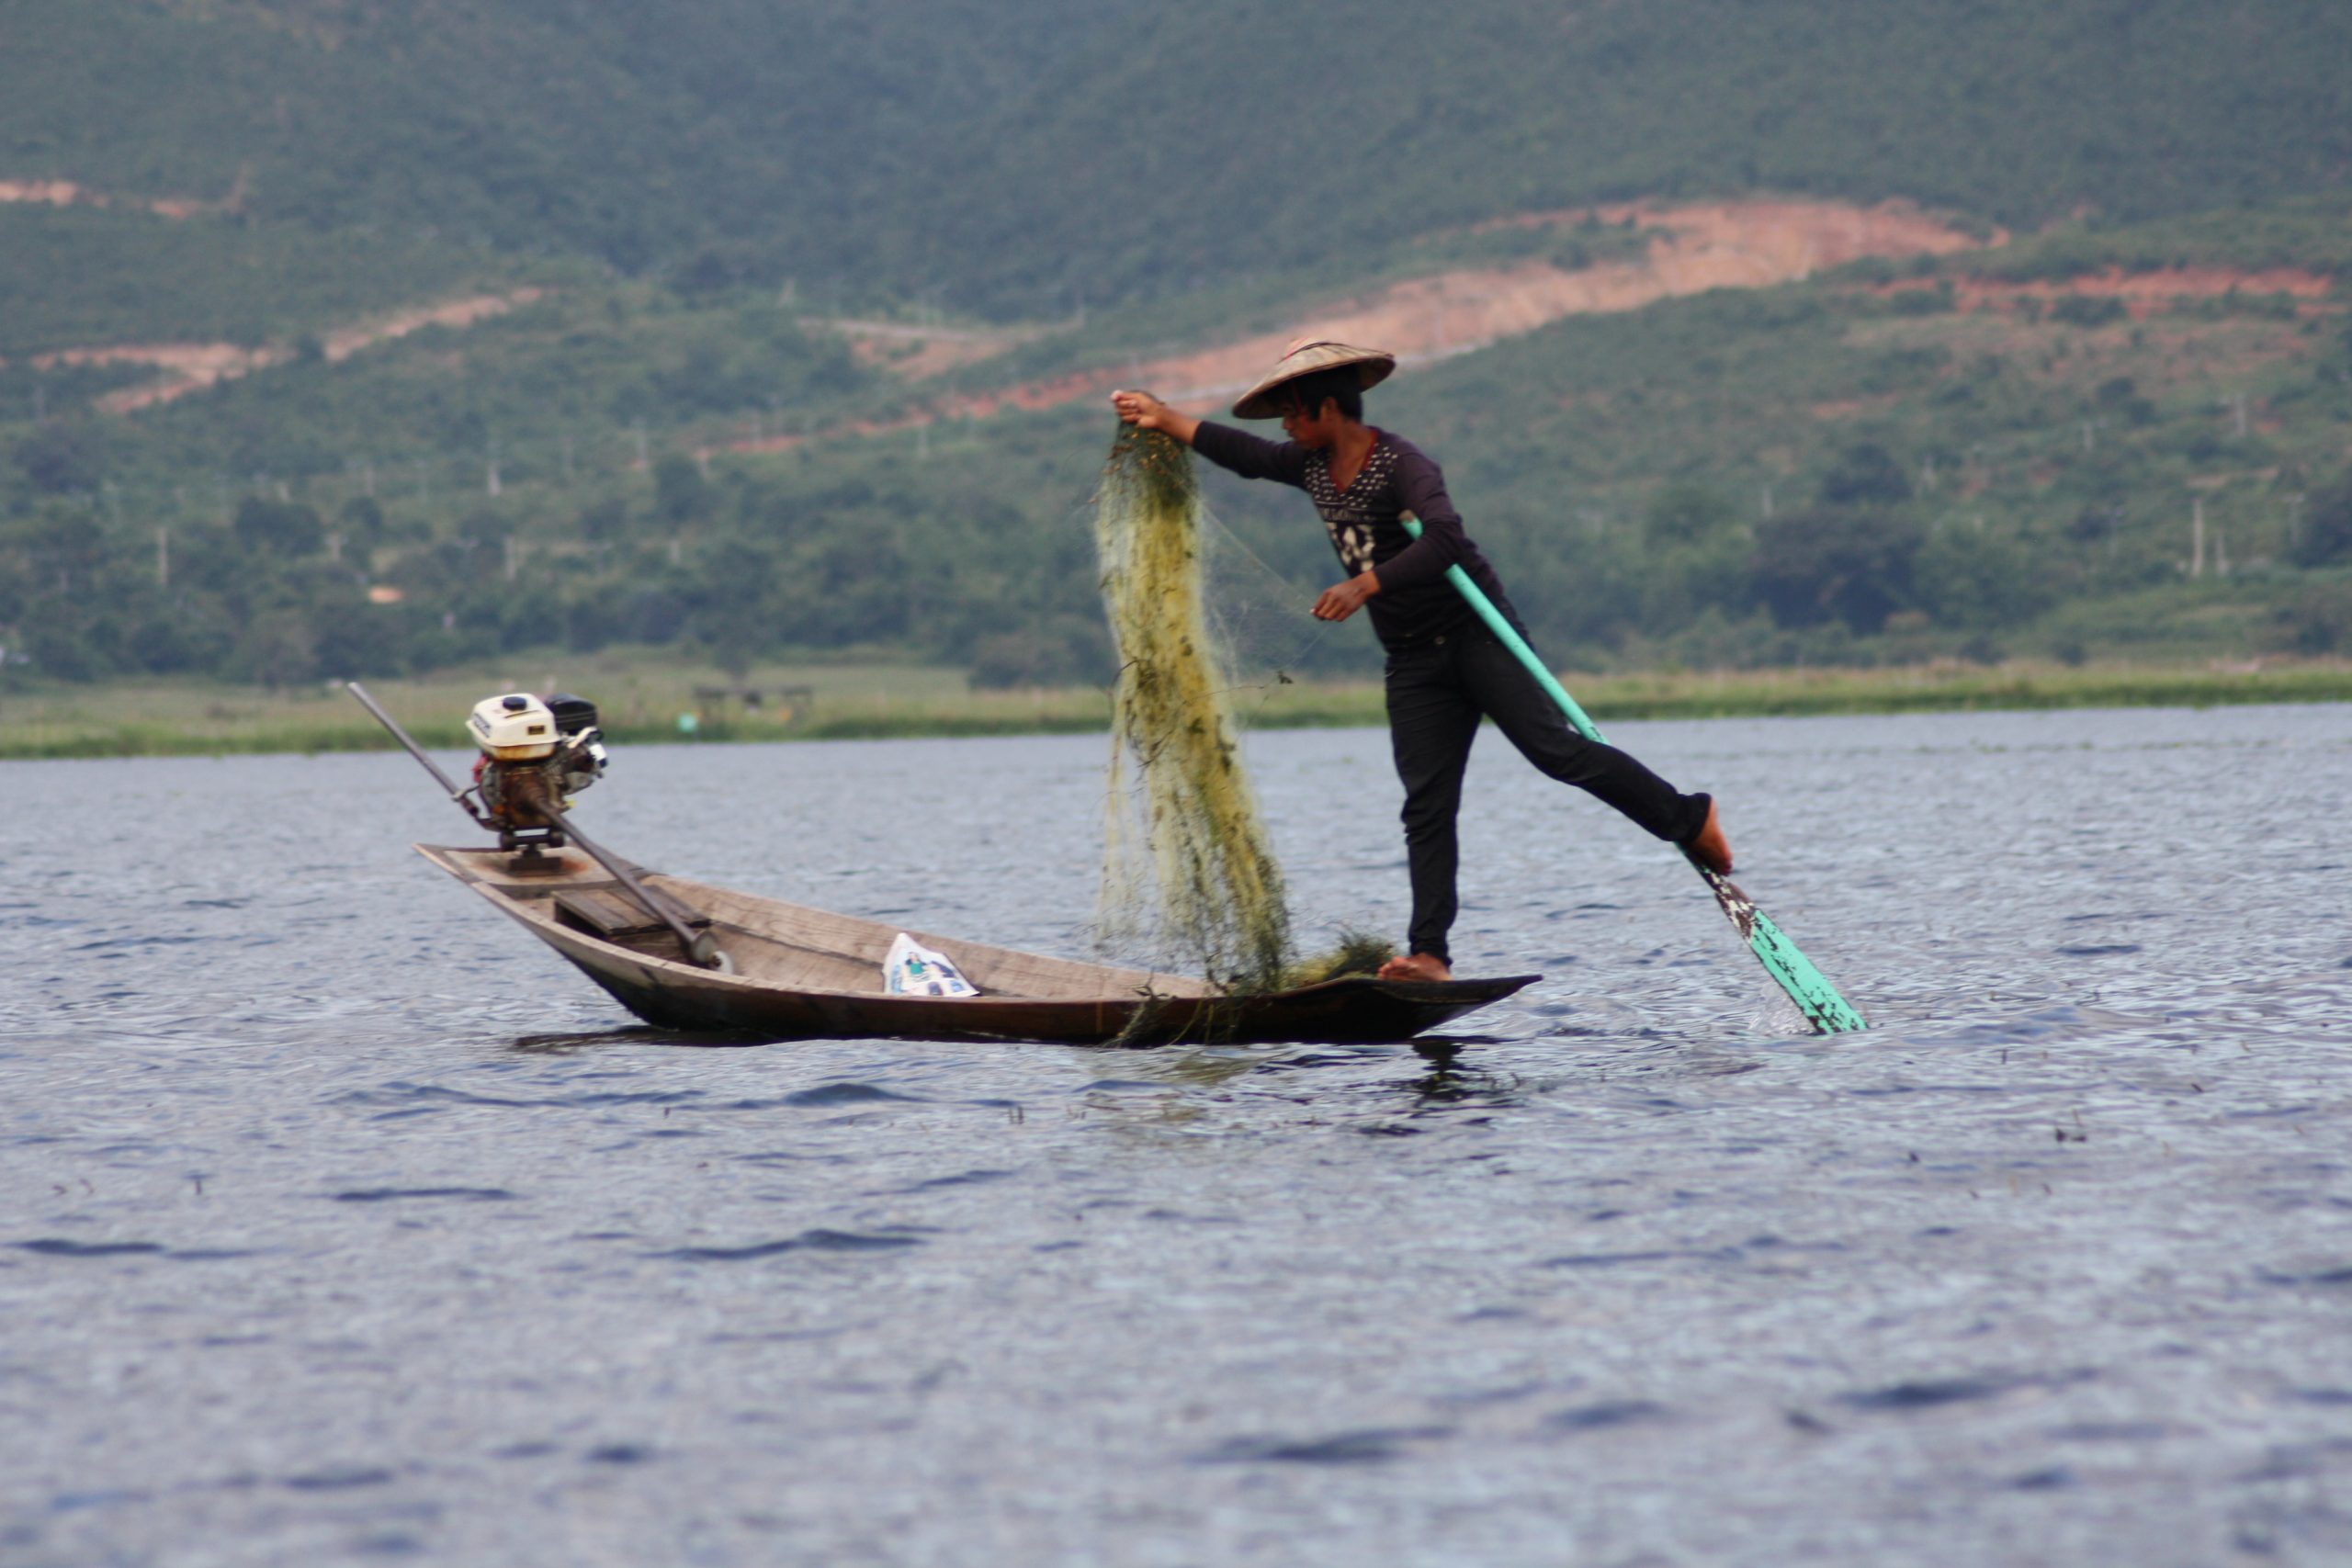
<point>517,728</point>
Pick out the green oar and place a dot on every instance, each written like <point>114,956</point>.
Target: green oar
<point>1791,970</point>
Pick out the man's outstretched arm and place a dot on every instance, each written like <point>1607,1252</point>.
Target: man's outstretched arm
<point>1237,451</point>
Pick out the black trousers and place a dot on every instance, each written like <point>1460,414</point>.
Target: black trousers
<point>1438,690</point>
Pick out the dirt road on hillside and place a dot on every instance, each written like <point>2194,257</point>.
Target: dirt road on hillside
<point>1718,245</point>
<point>2142,294</point>
<point>1731,244</point>
<point>68,193</point>
<point>193,366</point>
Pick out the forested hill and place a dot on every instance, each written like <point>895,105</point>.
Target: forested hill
<point>1220,137</point>
<point>344,337</point>
<point>1018,156</point>
<point>641,134</point>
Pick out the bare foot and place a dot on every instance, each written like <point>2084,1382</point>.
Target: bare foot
<point>1416,966</point>
<point>1710,845</point>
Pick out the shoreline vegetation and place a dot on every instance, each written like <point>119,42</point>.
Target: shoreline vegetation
<point>644,703</point>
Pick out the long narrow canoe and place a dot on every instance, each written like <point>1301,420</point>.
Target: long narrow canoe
<point>795,972</point>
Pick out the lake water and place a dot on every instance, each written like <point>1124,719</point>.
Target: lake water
<point>342,1222</point>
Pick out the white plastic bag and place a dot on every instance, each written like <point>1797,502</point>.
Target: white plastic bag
<point>914,970</point>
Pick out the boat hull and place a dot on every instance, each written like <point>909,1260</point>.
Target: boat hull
<point>779,948</point>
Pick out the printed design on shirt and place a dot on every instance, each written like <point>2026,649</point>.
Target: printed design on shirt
<point>1353,541</point>
<point>1349,515</point>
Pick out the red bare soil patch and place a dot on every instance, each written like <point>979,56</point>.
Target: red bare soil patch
<point>67,193</point>
<point>1849,408</point>
<point>1712,245</point>
<point>52,193</point>
<point>914,353</point>
<point>2142,293</point>
<point>193,366</point>
<point>1728,245</point>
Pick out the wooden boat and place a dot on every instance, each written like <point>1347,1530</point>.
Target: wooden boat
<point>794,973</point>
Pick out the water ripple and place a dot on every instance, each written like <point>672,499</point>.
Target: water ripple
<point>1369,1446</point>
<point>819,1240</point>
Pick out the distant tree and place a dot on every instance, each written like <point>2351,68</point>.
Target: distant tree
<point>62,648</point>
<point>1865,474</point>
<point>2317,620</point>
<point>282,528</point>
<point>1830,564</point>
<point>604,519</point>
<point>730,617</point>
<point>363,519</point>
<point>732,637</point>
<point>1971,579</point>
<point>170,641</point>
<point>1928,301</point>
<point>592,620</point>
<point>59,544</point>
<point>714,269</point>
<point>1688,514</point>
<point>278,649</point>
<point>486,527</point>
<point>2095,525</point>
<point>1060,652</point>
<point>59,456</point>
<point>2119,397</point>
<point>1694,560</point>
<point>652,615</point>
<point>2087,311</point>
<point>2325,536</point>
<point>360,639</point>
<point>680,493</point>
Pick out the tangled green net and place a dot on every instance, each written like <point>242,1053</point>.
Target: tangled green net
<point>1187,825</point>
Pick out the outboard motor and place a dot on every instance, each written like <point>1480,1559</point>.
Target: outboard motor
<point>536,755</point>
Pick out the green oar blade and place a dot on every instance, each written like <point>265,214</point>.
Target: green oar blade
<point>1790,968</point>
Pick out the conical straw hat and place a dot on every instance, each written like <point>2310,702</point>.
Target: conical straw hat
<point>1305,357</point>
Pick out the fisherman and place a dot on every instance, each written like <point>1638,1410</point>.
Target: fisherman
<point>1446,670</point>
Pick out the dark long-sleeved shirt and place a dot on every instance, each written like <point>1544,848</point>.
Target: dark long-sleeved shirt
<point>1415,603</point>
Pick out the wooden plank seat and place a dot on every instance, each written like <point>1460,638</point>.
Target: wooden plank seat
<point>619,919</point>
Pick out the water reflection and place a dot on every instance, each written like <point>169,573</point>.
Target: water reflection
<point>566,1041</point>
<point>1453,1081</point>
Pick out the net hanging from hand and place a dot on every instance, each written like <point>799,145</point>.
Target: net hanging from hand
<point>1183,822</point>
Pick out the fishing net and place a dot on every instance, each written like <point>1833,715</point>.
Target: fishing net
<point>1187,864</point>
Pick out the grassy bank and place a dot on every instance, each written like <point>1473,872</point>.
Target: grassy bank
<point>645,699</point>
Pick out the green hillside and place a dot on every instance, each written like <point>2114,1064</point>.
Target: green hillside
<point>1886,463</point>
<point>1211,140</point>
<point>1845,472</point>
<point>1967,457</point>
<point>642,136</point>
<point>1021,159</point>
<point>83,276</point>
